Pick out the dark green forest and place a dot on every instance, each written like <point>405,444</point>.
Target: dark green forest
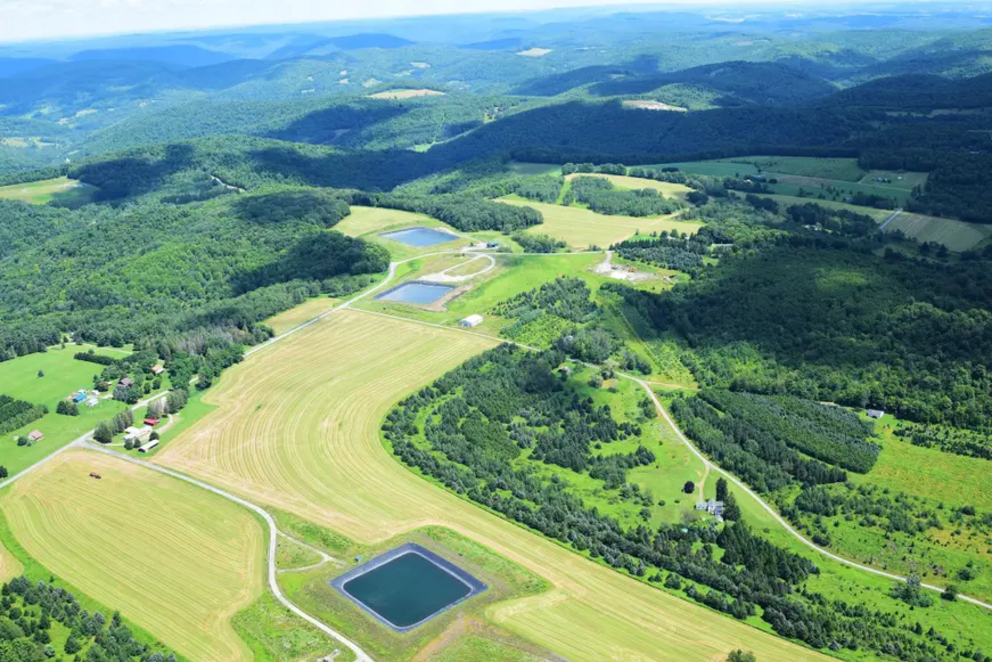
<point>469,429</point>
<point>28,612</point>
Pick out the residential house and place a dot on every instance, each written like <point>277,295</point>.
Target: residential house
<point>35,435</point>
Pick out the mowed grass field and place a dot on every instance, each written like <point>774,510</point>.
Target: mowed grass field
<point>297,427</point>
<point>666,189</point>
<point>581,228</point>
<point>296,316</point>
<point>173,558</point>
<point>63,375</point>
<point>957,235</point>
<point>43,192</point>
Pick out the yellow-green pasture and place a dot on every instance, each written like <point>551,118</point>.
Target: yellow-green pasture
<point>61,189</point>
<point>306,311</point>
<point>175,559</point>
<point>956,235</point>
<point>582,228</point>
<point>63,375</point>
<point>666,189</point>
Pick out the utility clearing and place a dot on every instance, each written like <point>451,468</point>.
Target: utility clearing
<point>297,427</point>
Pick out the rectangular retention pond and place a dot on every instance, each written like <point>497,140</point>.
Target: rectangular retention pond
<point>420,237</point>
<point>407,586</point>
<point>416,292</point>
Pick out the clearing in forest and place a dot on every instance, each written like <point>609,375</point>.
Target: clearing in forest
<point>666,189</point>
<point>173,558</point>
<point>650,104</point>
<point>61,189</point>
<point>62,375</point>
<point>297,427</point>
<point>582,229</point>
<point>956,235</point>
<point>406,94</point>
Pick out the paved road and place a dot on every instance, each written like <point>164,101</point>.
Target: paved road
<point>886,222</point>
<point>360,655</point>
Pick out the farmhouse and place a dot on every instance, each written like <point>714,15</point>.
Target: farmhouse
<point>711,506</point>
<point>157,370</point>
<point>35,435</point>
<point>126,382</point>
<point>151,421</point>
<point>876,413</point>
<point>471,321</point>
<point>139,435</point>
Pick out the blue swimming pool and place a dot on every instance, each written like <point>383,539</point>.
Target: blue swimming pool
<point>420,237</point>
<point>416,292</point>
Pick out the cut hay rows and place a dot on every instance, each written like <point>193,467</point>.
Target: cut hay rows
<point>581,228</point>
<point>176,560</point>
<point>10,567</point>
<point>297,315</point>
<point>956,235</point>
<point>297,428</point>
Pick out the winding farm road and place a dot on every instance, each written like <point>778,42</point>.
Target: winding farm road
<point>361,655</point>
<point>711,466</point>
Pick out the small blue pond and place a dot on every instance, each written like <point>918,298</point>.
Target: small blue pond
<point>416,292</point>
<point>420,237</point>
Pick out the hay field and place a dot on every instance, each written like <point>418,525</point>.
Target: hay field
<point>306,311</point>
<point>175,559</point>
<point>297,428</point>
<point>622,181</point>
<point>10,567</point>
<point>581,228</point>
<point>39,193</point>
<point>956,235</point>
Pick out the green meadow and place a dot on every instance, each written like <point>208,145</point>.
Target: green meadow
<point>63,375</point>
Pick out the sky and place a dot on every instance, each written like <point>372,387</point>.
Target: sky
<point>22,20</point>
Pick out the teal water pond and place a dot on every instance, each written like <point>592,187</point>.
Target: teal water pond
<point>407,590</point>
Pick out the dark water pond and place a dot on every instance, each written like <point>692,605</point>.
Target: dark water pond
<point>420,237</point>
<point>416,292</point>
<point>407,590</point>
